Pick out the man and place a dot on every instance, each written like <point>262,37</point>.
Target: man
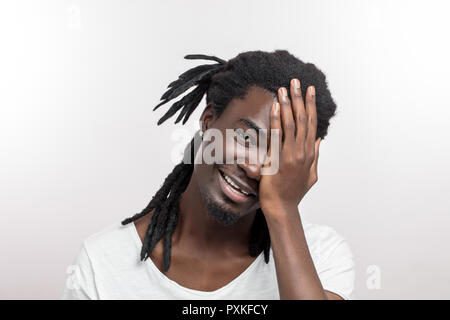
<point>225,230</point>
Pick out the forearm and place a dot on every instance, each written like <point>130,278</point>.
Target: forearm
<point>296,274</point>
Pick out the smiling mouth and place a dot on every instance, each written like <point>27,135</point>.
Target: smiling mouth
<point>233,185</point>
<point>232,190</point>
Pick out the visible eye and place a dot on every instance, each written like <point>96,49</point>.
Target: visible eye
<point>244,138</point>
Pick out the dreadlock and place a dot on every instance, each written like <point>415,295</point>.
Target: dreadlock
<point>222,82</point>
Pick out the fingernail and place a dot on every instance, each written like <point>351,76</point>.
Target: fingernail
<point>312,91</point>
<point>296,83</point>
<point>283,91</point>
<point>276,108</point>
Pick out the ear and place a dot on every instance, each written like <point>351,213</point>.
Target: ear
<point>207,118</point>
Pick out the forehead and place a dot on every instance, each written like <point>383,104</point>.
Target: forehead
<point>255,106</point>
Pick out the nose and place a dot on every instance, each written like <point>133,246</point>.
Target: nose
<point>253,163</point>
<point>253,171</point>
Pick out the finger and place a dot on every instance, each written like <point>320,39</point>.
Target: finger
<point>298,107</point>
<point>314,173</point>
<point>311,113</point>
<point>287,119</point>
<point>275,124</point>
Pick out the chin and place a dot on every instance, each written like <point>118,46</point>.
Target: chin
<point>219,209</point>
<point>220,215</point>
<point>220,206</point>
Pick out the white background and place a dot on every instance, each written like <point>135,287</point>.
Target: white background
<point>80,149</point>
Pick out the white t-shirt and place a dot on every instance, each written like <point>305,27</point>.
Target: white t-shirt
<point>108,266</point>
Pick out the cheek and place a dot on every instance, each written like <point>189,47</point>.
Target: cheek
<point>255,206</point>
<point>203,174</point>
<point>231,149</point>
<point>238,153</point>
<point>220,148</point>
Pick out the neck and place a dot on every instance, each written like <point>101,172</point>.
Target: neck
<point>197,229</point>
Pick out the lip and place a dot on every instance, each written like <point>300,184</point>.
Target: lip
<point>230,192</point>
<point>242,185</point>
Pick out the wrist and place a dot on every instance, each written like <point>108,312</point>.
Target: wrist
<point>279,211</point>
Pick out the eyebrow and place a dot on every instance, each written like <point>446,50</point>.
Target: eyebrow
<point>251,125</point>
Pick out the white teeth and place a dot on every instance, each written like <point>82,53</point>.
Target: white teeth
<point>234,184</point>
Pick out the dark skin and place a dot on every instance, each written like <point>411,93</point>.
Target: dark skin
<point>206,255</point>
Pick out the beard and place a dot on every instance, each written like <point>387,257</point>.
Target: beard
<point>221,215</point>
<point>218,212</point>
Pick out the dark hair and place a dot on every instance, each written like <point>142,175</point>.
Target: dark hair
<point>222,82</point>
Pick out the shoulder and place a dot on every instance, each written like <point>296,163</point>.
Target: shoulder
<point>108,236</point>
<point>333,258</point>
<point>101,255</point>
<point>116,243</point>
<point>323,239</point>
